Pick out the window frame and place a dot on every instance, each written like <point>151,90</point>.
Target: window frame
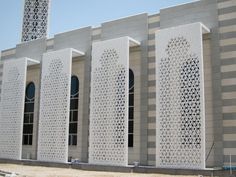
<point>73,137</point>
<point>131,114</point>
<point>28,122</point>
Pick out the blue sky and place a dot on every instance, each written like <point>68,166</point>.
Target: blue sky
<point>66,15</point>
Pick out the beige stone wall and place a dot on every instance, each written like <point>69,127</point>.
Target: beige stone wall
<point>208,101</point>
<point>154,25</point>
<point>227,42</point>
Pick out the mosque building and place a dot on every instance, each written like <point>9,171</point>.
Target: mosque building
<point>157,89</point>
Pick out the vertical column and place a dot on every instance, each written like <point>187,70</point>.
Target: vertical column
<point>54,106</point>
<point>12,108</point>
<point>180,97</point>
<point>154,25</point>
<point>109,103</point>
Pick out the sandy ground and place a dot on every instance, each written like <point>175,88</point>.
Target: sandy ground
<point>36,171</point>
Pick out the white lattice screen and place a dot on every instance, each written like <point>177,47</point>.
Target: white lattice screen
<point>54,106</point>
<point>180,97</point>
<point>109,103</point>
<point>1,70</point>
<point>35,21</point>
<point>12,107</point>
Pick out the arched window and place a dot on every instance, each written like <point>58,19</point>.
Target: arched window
<point>131,109</point>
<point>74,100</point>
<point>29,114</point>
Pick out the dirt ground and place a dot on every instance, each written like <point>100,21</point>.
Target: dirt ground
<point>36,171</point>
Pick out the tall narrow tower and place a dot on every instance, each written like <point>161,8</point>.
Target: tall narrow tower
<point>35,20</point>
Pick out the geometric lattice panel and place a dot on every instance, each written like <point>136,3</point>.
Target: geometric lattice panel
<point>54,106</point>
<point>108,144</point>
<point>35,21</point>
<point>1,70</point>
<point>12,108</point>
<point>180,98</point>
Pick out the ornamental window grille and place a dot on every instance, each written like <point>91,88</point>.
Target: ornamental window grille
<point>109,103</point>
<point>29,114</point>
<point>55,105</point>
<point>180,105</point>
<point>131,109</point>
<point>74,101</point>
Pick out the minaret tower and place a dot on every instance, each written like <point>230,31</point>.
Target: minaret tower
<point>35,20</point>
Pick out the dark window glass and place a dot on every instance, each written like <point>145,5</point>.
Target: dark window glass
<point>30,139</point>
<point>75,116</point>
<point>74,86</point>
<point>28,129</point>
<point>29,114</point>
<point>73,128</point>
<point>131,109</point>
<point>25,139</point>
<point>131,126</point>
<point>26,118</point>
<point>30,91</point>
<point>131,79</point>
<point>31,119</point>
<point>131,140</point>
<point>69,142</point>
<point>29,107</point>
<point>131,99</point>
<point>131,113</point>
<point>74,104</point>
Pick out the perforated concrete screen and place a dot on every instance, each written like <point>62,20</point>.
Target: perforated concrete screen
<point>12,108</point>
<point>1,70</point>
<point>180,97</point>
<point>35,20</point>
<point>108,137</point>
<point>54,106</point>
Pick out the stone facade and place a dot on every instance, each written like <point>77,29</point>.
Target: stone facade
<point>219,56</point>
